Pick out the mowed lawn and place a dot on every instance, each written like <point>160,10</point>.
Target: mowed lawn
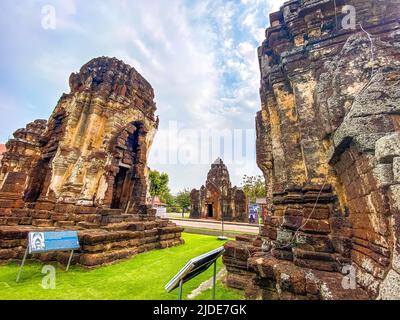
<point>141,278</point>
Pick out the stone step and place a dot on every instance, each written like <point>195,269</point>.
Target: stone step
<point>7,221</point>
<point>171,229</point>
<point>110,246</point>
<point>88,225</point>
<point>122,226</point>
<point>99,236</point>
<point>9,196</point>
<point>65,224</point>
<point>97,259</point>
<point>5,212</point>
<point>110,212</point>
<point>42,223</point>
<point>289,281</point>
<point>6,203</point>
<point>119,218</point>
<point>115,227</point>
<point>171,243</point>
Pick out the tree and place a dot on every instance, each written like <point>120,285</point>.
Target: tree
<point>254,187</point>
<point>159,185</point>
<point>183,199</point>
<point>170,200</point>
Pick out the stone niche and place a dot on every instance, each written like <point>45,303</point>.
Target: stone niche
<point>217,198</point>
<point>328,143</point>
<point>86,169</point>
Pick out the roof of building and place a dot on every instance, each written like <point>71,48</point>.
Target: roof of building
<point>157,202</point>
<point>261,201</point>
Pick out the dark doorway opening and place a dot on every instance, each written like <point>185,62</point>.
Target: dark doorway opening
<point>37,178</point>
<point>210,210</point>
<point>130,184</point>
<point>119,186</point>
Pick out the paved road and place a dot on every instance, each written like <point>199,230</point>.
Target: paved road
<point>215,225</point>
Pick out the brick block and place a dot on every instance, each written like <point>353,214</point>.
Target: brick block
<point>396,170</point>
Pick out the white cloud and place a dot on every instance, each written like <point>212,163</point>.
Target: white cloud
<point>276,4</point>
<point>200,56</point>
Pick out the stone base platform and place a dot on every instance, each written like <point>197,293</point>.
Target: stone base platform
<point>104,237</point>
<point>265,277</point>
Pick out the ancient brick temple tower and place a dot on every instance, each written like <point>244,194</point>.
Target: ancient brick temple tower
<point>217,198</point>
<point>86,169</point>
<point>328,144</point>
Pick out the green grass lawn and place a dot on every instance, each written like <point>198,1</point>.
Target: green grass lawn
<point>141,278</point>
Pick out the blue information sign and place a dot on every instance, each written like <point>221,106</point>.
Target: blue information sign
<point>40,242</point>
<point>253,213</point>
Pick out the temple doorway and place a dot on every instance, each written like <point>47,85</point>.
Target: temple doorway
<point>37,179</point>
<point>119,186</point>
<point>128,184</point>
<point>210,210</point>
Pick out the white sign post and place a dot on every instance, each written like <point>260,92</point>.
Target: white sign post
<point>193,268</point>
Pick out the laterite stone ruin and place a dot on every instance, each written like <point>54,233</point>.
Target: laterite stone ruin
<point>329,146</point>
<point>217,199</point>
<point>86,169</point>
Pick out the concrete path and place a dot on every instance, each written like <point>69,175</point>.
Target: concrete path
<point>207,285</point>
<point>216,225</point>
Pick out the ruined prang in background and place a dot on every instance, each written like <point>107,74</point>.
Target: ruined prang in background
<point>86,169</point>
<point>217,198</point>
<point>329,146</point>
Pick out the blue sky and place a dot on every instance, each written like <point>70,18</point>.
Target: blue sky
<point>199,55</point>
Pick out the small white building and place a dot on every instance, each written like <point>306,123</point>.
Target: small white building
<point>261,201</point>
<point>160,207</point>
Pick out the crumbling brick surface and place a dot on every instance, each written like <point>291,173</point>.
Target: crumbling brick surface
<point>328,145</point>
<point>86,169</point>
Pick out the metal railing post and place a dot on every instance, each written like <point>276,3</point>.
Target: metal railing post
<point>215,279</point>
<point>22,264</point>
<point>180,290</point>
<point>69,260</point>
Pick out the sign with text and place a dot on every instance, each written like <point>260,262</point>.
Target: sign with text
<point>40,242</point>
<point>195,267</point>
<point>253,213</point>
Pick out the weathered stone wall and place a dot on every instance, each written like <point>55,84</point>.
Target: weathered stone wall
<point>86,169</point>
<point>217,198</point>
<point>23,152</point>
<point>87,139</point>
<point>326,143</point>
